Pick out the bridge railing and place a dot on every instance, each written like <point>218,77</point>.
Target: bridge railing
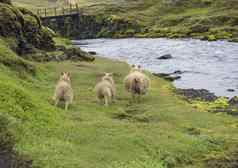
<point>58,11</point>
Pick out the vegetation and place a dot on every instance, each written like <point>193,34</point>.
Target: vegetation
<point>204,19</point>
<point>161,131</point>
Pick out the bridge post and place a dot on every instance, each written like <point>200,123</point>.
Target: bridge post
<point>38,12</point>
<point>77,8</point>
<point>70,8</point>
<point>63,10</point>
<point>45,12</point>
<point>55,11</point>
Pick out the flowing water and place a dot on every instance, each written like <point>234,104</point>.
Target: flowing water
<point>206,65</point>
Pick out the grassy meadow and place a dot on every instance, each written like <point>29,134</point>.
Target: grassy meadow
<point>162,131</point>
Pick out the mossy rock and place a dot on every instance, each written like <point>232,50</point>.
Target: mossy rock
<point>199,28</point>
<point>26,28</point>
<point>78,54</point>
<point>209,38</point>
<point>234,40</point>
<point>6,1</point>
<point>10,24</point>
<point>11,60</point>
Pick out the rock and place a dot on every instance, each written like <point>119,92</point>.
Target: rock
<point>178,72</point>
<point>162,75</point>
<point>169,77</point>
<point>25,28</point>
<point>92,52</point>
<point>79,43</point>
<point>197,94</point>
<point>235,40</point>
<point>209,38</point>
<point>6,1</point>
<point>231,90</point>
<point>60,48</point>
<point>172,78</point>
<point>166,56</point>
<point>233,101</point>
<point>78,54</point>
<point>199,28</point>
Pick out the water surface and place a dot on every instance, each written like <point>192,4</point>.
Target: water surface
<point>207,65</point>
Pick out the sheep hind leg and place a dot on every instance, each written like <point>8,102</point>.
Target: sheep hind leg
<point>66,105</point>
<point>106,101</point>
<point>56,102</point>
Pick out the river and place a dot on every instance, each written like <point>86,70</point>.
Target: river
<point>206,65</point>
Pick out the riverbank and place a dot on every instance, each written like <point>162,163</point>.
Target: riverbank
<point>163,130</point>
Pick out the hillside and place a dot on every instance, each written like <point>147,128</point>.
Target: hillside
<point>204,19</point>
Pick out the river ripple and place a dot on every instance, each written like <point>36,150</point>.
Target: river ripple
<point>208,65</point>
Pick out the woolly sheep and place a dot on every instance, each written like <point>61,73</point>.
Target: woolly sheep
<point>63,90</point>
<point>136,82</point>
<point>105,89</point>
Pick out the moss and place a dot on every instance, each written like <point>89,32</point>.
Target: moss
<point>219,104</point>
<point>211,38</point>
<point>10,59</point>
<point>25,27</point>
<point>6,1</point>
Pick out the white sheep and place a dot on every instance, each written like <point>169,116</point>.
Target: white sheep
<point>106,90</point>
<point>63,90</point>
<point>136,82</point>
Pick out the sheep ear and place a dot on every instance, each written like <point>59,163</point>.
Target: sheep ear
<point>133,66</point>
<point>62,73</point>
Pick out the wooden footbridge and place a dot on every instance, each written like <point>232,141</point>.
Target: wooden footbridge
<point>63,20</point>
<point>59,12</point>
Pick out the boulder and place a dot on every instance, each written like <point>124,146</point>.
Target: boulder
<point>166,56</point>
<point>60,48</point>
<point>6,1</point>
<point>78,54</point>
<point>197,94</point>
<point>26,28</point>
<point>235,40</point>
<point>92,52</point>
<point>178,72</point>
<point>231,90</point>
<point>172,78</point>
<point>199,28</point>
<point>168,77</point>
<point>234,101</point>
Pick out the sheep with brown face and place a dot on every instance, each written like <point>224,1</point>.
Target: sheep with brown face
<point>106,90</point>
<point>136,82</point>
<point>63,90</point>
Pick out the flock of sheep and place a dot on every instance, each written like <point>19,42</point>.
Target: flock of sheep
<point>136,82</point>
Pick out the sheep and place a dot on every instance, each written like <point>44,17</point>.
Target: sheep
<point>106,90</point>
<point>136,82</point>
<point>63,90</point>
<point>135,68</point>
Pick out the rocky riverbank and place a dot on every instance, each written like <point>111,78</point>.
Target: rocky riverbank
<point>205,97</point>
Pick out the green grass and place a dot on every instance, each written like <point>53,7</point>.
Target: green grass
<point>162,131</point>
